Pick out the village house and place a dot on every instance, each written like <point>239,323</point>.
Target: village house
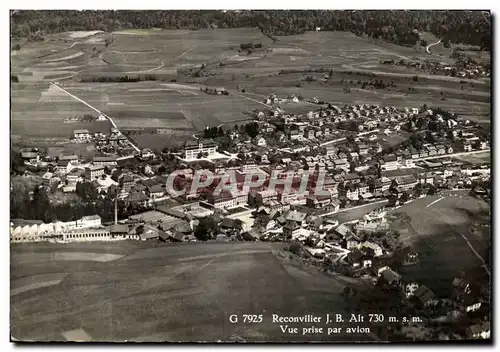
<point>423,152</point>
<point>390,277</point>
<point>155,191</point>
<point>479,331</point>
<point>74,175</point>
<point>260,141</point>
<point>414,153</point>
<point>377,250</point>
<point>63,167</point>
<point>295,135</point>
<point>410,289</point>
<point>390,162</point>
<point>318,201</point>
<point>81,134</point>
<point>405,182</point>
<point>138,198</point>
<point>265,196</point>
<point>90,221</point>
<point>341,164</point>
<point>431,149</point>
<point>104,160</point>
<point>424,296</point>
<point>127,182</point>
<point>147,154</point>
<point>352,193</point>
<point>47,177</point>
<point>381,184</point>
<point>471,303</point>
<point>225,200</point>
<point>352,178</point>
<point>426,177</point>
<point>484,145</point>
<point>363,149</point>
<point>294,222</point>
<point>94,171</point>
<point>30,156</point>
<point>355,258</point>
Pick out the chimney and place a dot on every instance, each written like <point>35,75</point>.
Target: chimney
<point>116,209</point>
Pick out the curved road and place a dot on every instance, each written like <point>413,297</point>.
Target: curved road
<point>93,108</point>
<point>428,46</point>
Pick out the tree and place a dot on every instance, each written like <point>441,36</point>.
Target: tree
<point>432,190</point>
<point>16,162</point>
<point>86,191</point>
<point>162,169</point>
<point>404,198</point>
<point>139,230</point>
<point>41,205</point>
<point>417,190</point>
<point>429,137</point>
<point>204,229</point>
<point>295,247</point>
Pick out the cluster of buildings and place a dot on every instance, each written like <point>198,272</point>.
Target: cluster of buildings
<point>273,99</point>
<point>39,231</point>
<point>361,249</point>
<point>349,145</point>
<point>463,67</point>
<point>114,143</point>
<point>87,229</point>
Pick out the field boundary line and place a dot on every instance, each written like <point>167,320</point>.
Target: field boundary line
<point>437,200</point>
<point>477,255</point>
<point>250,99</point>
<point>484,266</point>
<point>95,109</point>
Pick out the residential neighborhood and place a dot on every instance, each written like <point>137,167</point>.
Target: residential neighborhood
<point>215,175</point>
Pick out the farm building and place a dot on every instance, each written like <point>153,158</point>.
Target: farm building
<point>81,134</point>
<point>216,91</point>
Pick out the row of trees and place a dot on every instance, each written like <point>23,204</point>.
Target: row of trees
<point>120,79</point>
<point>248,46</point>
<point>401,27</point>
<point>213,132</point>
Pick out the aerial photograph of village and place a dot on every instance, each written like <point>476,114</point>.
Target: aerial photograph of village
<point>250,176</point>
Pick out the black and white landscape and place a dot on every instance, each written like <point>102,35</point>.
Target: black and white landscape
<point>250,176</point>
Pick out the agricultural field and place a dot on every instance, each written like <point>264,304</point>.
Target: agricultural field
<point>280,67</point>
<point>39,110</point>
<point>479,158</point>
<point>174,292</point>
<point>436,227</point>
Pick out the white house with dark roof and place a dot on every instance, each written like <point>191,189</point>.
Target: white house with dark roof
<point>193,148</point>
<point>81,134</point>
<point>390,162</point>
